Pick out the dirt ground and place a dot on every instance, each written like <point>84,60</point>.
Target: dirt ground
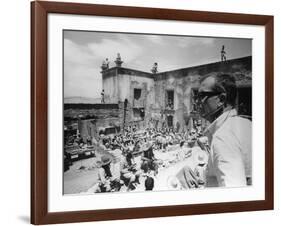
<point>82,175</point>
<point>77,180</point>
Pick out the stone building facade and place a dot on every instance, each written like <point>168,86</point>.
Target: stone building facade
<point>166,98</point>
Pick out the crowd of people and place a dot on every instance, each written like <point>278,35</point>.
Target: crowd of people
<point>132,155</point>
<point>133,139</point>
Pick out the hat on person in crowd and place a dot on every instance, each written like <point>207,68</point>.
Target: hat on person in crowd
<point>147,146</point>
<point>173,183</point>
<point>204,140</point>
<point>105,160</point>
<point>200,157</point>
<point>97,163</point>
<point>193,131</point>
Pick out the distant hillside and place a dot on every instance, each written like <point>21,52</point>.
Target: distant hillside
<point>81,100</point>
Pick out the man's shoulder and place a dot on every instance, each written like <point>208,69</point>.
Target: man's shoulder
<point>234,125</point>
<point>241,118</point>
<point>238,122</point>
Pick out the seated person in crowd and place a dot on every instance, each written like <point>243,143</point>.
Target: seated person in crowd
<point>106,178</point>
<point>129,173</point>
<point>148,159</point>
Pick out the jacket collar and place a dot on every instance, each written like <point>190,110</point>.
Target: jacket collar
<point>215,125</point>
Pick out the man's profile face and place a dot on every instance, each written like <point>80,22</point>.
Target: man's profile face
<point>209,100</point>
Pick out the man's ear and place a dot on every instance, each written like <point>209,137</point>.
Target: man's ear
<point>222,98</point>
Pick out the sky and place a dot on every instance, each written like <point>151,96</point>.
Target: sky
<point>84,52</point>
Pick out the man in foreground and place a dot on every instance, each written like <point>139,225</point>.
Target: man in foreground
<point>229,135</point>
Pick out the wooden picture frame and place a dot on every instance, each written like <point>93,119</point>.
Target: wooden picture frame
<point>39,112</point>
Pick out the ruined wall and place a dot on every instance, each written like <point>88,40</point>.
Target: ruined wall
<point>74,111</point>
<point>119,84</point>
<point>91,118</point>
<point>182,81</point>
<point>130,80</point>
<point>110,85</point>
<point>92,127</point>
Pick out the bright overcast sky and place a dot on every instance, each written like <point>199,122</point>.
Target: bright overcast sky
<point>85,51</point>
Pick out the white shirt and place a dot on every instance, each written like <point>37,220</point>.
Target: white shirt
<point>230,137</point>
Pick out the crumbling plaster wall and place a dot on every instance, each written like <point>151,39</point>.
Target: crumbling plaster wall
<point>110,86</point>
<point>127,82</point>
<point>119,84</point>
<point>182,81</point>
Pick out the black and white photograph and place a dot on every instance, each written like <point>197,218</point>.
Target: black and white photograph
<point>155,112</point>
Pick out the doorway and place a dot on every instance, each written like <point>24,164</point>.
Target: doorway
<point>170,120</point>
<point>244,104</point>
